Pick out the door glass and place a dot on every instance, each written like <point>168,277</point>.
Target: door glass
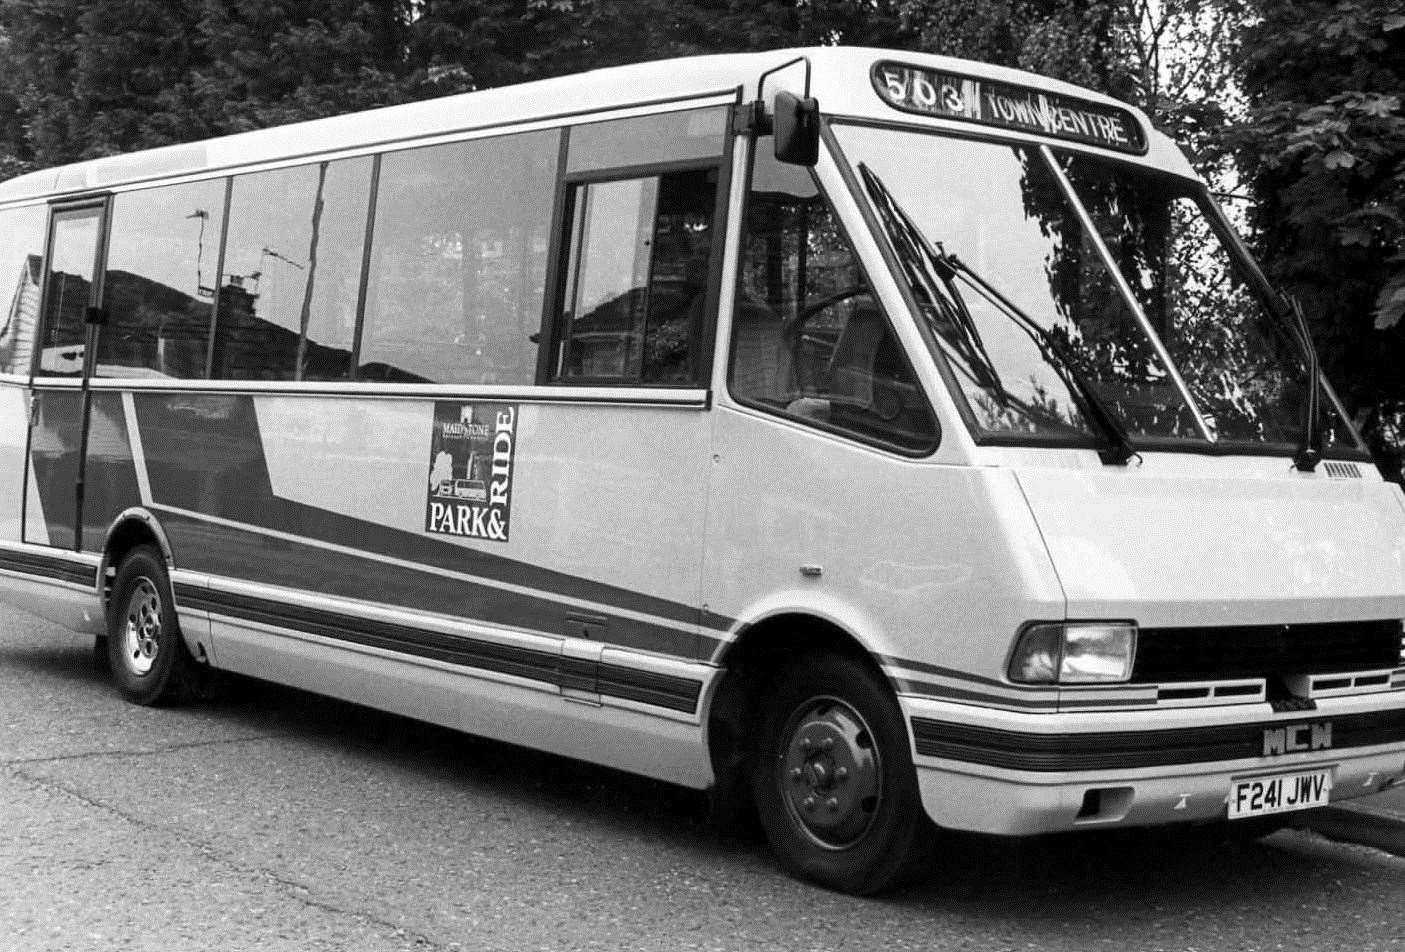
<point>809,339</point>
<point>635,300</point>
<point>609,273</point>
<point>74,256</point>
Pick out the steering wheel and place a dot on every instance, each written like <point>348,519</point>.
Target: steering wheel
<point>803,317</point>
<point>838,297</point>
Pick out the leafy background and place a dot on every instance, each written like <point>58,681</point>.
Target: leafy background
<point>1291,109</point>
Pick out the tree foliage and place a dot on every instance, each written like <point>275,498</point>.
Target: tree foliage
<point>1324,152</point>
<point>80,79</point>
<point>1296,106</point>
<point>1176,59</point>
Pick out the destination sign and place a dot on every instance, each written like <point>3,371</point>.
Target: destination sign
<point>930,92</point>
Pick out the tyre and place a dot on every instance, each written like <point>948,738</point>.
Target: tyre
<point>147,655</point>
<point>835,787</point>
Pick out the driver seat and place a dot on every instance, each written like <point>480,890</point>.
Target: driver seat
<point>852,365</point>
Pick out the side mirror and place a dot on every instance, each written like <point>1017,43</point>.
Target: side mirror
<point>797,129</point>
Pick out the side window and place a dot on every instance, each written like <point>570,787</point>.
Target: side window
<point>809,339</point>
<point>159,288</point>
<point>634,298</point>
<point>458,261</point>
<point>292,272</point>
<point>72,263</point>
<point>21,271</point>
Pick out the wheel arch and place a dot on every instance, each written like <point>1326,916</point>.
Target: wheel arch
<point>733,713</point>
<point>133,527</point>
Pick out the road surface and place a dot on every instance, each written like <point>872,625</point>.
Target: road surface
<point>271,819</point>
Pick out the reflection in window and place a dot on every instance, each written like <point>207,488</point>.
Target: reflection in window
<point>999,209</point>
<point>75,247</point>
<point>809,339</point>
<point>21,270</point>
<point>1242,364</point>
<point>160,282</point>
<point>292,269</point>
<point>636,284</point>
<point>458,261</point>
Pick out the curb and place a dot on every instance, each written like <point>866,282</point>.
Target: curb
<point>1361,824</point>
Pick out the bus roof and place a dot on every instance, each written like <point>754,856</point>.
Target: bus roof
<point>839,79</point>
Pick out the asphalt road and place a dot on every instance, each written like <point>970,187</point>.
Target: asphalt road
<point>275,820</point>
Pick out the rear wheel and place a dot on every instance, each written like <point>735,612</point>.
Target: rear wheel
<point>146,653</point>
<point>835,787</point>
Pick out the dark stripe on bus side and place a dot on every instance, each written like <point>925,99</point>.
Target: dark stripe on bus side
<point>219,550</point>
<point>235,485</point>
<point>110,477</point>
<point>43,566</point>
<point>659,690</point>
<point>1045,701</point>
<point>926,668</point>
<point>1125,750</point>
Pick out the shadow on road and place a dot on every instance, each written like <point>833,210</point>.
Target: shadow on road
<point>1030,879</point>
<point>1146,875</point>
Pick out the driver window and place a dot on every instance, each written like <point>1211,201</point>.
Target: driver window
<point>635,296</point>
<point>809,339</point>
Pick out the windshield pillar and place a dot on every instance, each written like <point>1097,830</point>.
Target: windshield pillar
<point>1125,289</point>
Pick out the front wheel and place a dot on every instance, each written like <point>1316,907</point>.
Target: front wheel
<point>835,787</point>
<point>148,658</point>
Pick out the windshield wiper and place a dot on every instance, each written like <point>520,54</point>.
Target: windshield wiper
<point>959,332</point>
<point>1118,449</point>
<point>1309,452</point>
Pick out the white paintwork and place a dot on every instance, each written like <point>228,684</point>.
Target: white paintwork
<point>138,450</point>
<point>71,605</point>
<point>1019,805</point>
<point>839,80</point>
<point>525,713</point>
<point>592,485</point>
<point>921,561</point>
<point>1221,546</point>
<point>195,623</point>
<point>14,440</point>
<point>1015,802</point>
<point>36,527</point>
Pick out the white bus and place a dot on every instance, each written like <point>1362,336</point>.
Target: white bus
<point>885,440</point>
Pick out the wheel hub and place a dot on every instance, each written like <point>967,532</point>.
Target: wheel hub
<point>142,634</point>
<point>830,772</point>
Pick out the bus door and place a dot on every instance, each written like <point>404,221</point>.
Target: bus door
<point>642,206</point>
<point>62,403</point>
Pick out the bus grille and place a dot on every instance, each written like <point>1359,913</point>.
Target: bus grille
<point>1261,651</point>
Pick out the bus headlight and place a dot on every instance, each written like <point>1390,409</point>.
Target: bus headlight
<point>1074,653</point>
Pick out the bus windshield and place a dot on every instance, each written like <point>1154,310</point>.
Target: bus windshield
<point>1027,311</point>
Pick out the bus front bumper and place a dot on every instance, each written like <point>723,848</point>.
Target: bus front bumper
<point>1013,773</point>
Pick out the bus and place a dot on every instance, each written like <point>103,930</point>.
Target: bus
<point>883,442</point>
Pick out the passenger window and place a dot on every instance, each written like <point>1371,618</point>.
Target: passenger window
<point>292,272</point>
<point>634,300</point>
<point>809,339</point>
<point>159,288</point>
<point>458,261</point>
<point>21,271</point>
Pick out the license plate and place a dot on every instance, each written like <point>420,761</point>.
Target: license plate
<point>1280,793</point>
